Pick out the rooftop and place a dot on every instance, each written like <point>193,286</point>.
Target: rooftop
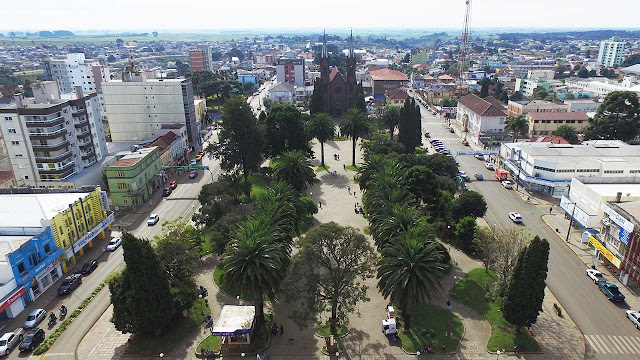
<point>9,244</point>
<point>26,210</point>
<point>233,318</point>
<point>557,115</point>
<point>132,158</point>
<point>589,151</point>
<point>388,74</point>
<point>488,106</point>
<point>631,207</point>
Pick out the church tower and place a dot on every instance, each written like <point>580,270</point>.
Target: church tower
<point>324,72</point>
<point>351,74</point>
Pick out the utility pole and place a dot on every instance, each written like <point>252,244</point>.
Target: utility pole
<point>571,221</point>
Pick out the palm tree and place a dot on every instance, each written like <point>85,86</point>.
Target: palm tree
<point>517,125</point>
<point>398,219</point>
<point>322,128</point>
<point>391,119</point>
<point>355,125</point>
<point>294,168</point>
<point>255,264</point>
<point>410,271</point>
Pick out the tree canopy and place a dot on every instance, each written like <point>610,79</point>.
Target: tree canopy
<point>618,118</point>
<point>567,132</point>
<point>285,131</point>
<point>469,203</point>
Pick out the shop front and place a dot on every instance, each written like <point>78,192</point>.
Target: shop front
<point>98,232</point>
<point>606,257</point>
<point>13,304</point>
<point>44,279</point>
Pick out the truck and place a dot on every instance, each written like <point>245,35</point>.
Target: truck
<point>10,340</point>
<point>611,291</point>
<point>501,174</point>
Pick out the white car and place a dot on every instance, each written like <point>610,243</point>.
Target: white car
<point>515,217</point>
<point>10,340</point>
<point>153,219</point>
<point>488,165</point>
<point>507,184</point>
<point>34,318</point>
<point>114,244</point>
<point>634,316</point>
<point>595,275</point>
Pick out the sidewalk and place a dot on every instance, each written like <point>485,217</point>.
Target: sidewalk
<point>585,252</point>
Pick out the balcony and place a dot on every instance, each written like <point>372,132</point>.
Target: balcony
<point>88,154</point>
<point>83,134</point>
<point>53,158</point>
<point>66,170</point>
<point>56,146</point>
<point>48,122</point>
<point>81,122</point>
<point>48,134</point>
<point>86,143</point>
<point>78,113</point>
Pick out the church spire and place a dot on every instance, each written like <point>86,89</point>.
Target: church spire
<point>324,45</point>
<point>351,44</point>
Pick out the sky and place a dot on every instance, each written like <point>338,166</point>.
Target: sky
<point>203,15</point>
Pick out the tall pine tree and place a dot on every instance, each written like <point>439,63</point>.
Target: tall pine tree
<point>316,105</point>
<point>359,102</point>
<point>141,296</point>
<point>406,126</point>
<point>523,299</point>
<point>417,122</point>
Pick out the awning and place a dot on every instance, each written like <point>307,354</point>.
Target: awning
<point>11,299</point>
<point>234,320</point>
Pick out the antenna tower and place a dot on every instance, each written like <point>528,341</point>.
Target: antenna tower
<point>464,44</point>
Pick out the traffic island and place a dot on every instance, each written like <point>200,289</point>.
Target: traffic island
<point>431,326</point>
<point>325,331</point>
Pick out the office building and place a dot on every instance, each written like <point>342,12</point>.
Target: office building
<point>546,123</point>
<point>200,58</point>
<point>611,52</point>
<point>75,70</point>
<point>515,108</point>
<point>481,116</point>
<point>52,137</point>
<point>527,86</point>
<point>290,71</point>
<point>137,107</point>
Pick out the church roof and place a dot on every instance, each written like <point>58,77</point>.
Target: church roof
<point>334,72</point>
<point>388,74</point>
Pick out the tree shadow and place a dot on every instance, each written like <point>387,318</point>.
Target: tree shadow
<point>340,181</point>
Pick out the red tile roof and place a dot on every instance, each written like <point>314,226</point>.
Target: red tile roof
<point>558,116</point>
<point>334,72</point>
<point>488,106</point>
<point>397,94</point>
<point>550,138</point>
<point>388,74</point>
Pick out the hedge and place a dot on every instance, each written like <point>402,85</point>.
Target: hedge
<point>42,348</point>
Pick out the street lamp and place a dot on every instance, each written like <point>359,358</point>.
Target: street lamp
<point>337,354</point>
<point>498,352</point>
<point>161,355</point>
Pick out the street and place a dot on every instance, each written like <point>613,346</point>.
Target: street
<point>606,329</point>
<point>257,101</point>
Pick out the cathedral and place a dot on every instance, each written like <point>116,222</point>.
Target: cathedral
<point>339,91</point>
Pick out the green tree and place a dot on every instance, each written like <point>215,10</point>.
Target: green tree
<point>285,131</point>
<point>567,132</point>
<point>516,96</point>
<point>359,102</point>
<point>540,93</point>
<point>391,119</point>
<point>316,104</point>
<point>631,60</point>
<point>486,247</point>
<point>525,293</point>
<point>322,128</point>
<point>240,140</point>
<point>441,165</point>
<point>583,73</point>
<point>410,272</point>
<point>469,203</point>
<point>132,294</point>
<point>570,96</point>
<point>484,87</point>
<point>517,125</point>
<point>379,144</point>
<point>409,125</point>
<point>466,232</point>
<point>617,118</point>
<point>355,125</point>
<point>328,274</point>
<point>392,221</point>
<point>294,168</point>
<point>560,70</point>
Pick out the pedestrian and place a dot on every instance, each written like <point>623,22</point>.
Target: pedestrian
<point>320,203</point>
<point>551,208</point>
<point>349,189</point>
<point>449,305</point>
<point>281,329</point>
<point>258,356</point>
<point>344,167</point>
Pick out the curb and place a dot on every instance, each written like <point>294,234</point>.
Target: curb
<point>75,352</point>
<point>339,337</point>
<point>542,217</point>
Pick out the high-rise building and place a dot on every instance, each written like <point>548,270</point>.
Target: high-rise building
<point>611,52</point>
<point>52,137</point>
<point>137,107</point>
<point>200,58</point>
<point>290,71</point>
<point>75,70</point>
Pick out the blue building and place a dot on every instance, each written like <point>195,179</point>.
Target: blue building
<point>244,78</point>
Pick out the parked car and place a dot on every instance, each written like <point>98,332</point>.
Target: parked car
<point>173,185</point>
<point>193,163</point>
<point>153,219</point>
<point>464,176</point>
<point>479,176</point>
<point>114,244</point>
<point>69,284</point>
<point>427,134</point>
<point>465,143</point>
<point>198,157</point>
<point>507,184</point>
<point>34,318</point>
<point>634,316</point>
<point>193,174</point>
<point>595,275</point>
<point>451,130</point>
<point>446,152</point>
<point>10,340</point>
<point>488,165</point>
<point>479,157</point>
<point>515,217</point>
<point>166,192</point>
<point>89,266</point>
<point>611,291</point>
<point>32,340</point>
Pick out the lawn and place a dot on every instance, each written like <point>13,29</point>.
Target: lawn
<point>322,168</point>
<point>472,291</point>
<point>341,138</point>
<point>210,343</point>
<point>259,185</point>
<point>367,230</point>
<point>352,168</point>
<point>145,345</point>
<point>325,330</point>
<point>429,326</point>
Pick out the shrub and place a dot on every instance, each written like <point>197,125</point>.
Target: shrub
<point>558,309</point>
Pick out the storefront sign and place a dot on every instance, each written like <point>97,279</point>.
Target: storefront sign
<point>607,254</point>
<point>13,298</point>
<point>621,221</point>
<point>104,199</point>
<point>93,233</point>
<point>43,273</point>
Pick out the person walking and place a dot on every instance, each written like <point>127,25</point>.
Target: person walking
<point>449,305</point>
<point>320,203</point>
<point>550,209</point>
<point>281,329</point>
<point>349,189</point>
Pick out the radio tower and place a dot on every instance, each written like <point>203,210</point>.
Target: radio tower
<point>464,43</point>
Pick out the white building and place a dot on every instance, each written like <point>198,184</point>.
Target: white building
<point>481,116</point>
<point>611,52</point>
<point>535,74</point>
<point>290,71</point>
<point>603,87</point>
<point>549,167</point>
<point>53,137</point>
<point>137,107</point>
<point>582,105</point>
<point>527,86</point>
<point>75,70</point>
<point>283,93</point>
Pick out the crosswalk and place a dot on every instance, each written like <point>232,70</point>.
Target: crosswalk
<point>613,344</point>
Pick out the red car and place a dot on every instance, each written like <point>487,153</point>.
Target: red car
<point>465,143</point>
<point>173,185</point>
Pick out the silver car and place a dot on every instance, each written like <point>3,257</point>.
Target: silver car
<point>34,318</point>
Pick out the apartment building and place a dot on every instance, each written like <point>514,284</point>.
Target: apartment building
<point>526,86</point>
<point>515,108</point>
<point>137,107</point>
<point>611,52</point>
<point>290,71</point>
<point>200,58</point>
<point>74,70</point>
<point>547,123</point>
<point>53,136</point>
<point>480,116</point>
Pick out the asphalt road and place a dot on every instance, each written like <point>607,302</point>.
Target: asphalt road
<point>257,100</point>
<point>602,321</point>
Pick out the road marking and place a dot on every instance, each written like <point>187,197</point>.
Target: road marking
<point>613,341</point>
<point>625,347</point>
<point>602,342</point>
<point>614,344</point>
<point>632,344</point>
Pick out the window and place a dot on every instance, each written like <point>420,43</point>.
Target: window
<point>120,173</point>
<point>12,131</point>
<point>47,248</point>
<point>8,118</point>
<point>122,185</point>
<point>15,143</point>
<point>614,171</point>
<point>634,171</point>
<point>21,268</point>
